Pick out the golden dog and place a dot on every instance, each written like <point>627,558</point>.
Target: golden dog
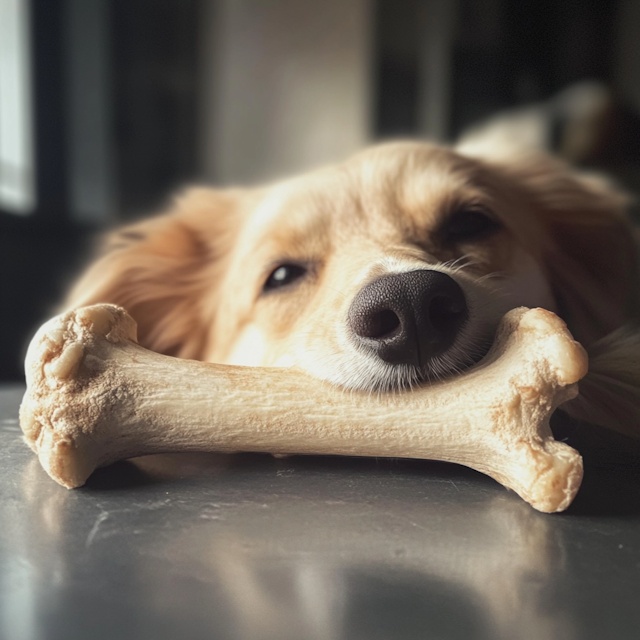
<point>388,270</point>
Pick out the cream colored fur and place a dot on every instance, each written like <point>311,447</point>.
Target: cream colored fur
<point>193,277</point>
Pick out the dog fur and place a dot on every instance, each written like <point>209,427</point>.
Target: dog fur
<point>516,231</point>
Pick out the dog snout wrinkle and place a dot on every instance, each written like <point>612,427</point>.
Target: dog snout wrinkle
<point>408,318</point>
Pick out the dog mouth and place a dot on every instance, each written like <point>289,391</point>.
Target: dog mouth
<point>455,361</point>
<point>466,352</point>
<point>359,369</point>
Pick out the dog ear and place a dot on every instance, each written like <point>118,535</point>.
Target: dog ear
<point>589,246</point>
<point>589,250</point>
<point>166,270</point>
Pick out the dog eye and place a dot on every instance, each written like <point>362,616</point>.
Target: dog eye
<point>469,224</point>
<point>284,275</point>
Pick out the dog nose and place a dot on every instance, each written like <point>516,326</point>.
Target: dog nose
<point>408,318</point>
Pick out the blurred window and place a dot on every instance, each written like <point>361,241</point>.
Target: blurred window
<point>17,175</point>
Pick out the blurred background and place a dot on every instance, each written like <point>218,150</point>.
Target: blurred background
<point>107,106</point>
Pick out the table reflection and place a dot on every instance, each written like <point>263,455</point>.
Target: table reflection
<point>257,548</point>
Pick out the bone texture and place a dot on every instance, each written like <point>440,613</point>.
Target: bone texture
<point>95,396</point>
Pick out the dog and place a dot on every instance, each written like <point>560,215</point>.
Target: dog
<point>388,270</point>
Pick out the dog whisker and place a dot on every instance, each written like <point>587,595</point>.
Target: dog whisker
<point>344,295</point>
<point>492,276</point>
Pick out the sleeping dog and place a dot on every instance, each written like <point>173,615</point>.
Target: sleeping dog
<point>389,270</point>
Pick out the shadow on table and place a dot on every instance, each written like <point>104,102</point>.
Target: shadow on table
<point>611,483</point>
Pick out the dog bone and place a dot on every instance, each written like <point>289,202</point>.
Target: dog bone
<point>95,396</point>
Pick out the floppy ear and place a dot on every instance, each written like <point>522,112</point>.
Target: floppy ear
<point>590,254</point>
<point>166,270</point>
<point>589,249</point>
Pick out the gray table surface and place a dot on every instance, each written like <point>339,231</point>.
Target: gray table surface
<point>252,547</point>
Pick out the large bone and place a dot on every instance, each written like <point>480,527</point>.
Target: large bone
<point>95,396</point>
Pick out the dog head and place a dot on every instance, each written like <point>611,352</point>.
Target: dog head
<point>384,271</point>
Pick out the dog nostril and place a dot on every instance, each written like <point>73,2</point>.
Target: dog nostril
<point>444,310</point>
<point>380,324</point>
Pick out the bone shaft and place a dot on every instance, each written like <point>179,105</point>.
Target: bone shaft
<point>275,410</point>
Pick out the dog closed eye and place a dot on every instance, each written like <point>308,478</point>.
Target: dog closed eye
<point>468,223</point>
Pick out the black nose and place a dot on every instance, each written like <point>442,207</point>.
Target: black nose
<point>408,318</point>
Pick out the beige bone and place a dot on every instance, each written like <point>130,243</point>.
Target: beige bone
<point>95,396</point>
